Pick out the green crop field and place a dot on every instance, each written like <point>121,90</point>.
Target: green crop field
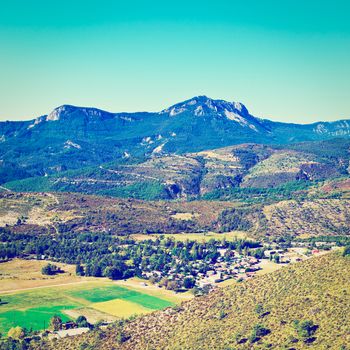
<point>33,318</point>
<point>34,308</point>
<point>108,293</point>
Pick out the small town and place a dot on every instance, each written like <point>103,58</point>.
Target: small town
<point>235,265</point>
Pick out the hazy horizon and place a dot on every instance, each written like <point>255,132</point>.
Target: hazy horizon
<point>288,63</point>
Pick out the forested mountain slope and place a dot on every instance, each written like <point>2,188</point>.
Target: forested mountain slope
<point>207,174</point>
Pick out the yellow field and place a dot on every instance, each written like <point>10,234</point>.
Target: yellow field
<point>20,274</point>
<point>185,216</point>
<point>207,236</point>
<point>120,308</point>
<point>143,237</point>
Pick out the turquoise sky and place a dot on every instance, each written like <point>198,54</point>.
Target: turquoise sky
<point>285,60</point>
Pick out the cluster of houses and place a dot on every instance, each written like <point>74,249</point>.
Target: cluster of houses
<point>71,328</point>
<point>234,266</point>
<point>311,245</point>
<point>67,332</point>
<point>238,267</point>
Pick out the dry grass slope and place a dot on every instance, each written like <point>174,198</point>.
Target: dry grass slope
<point>319,217</point>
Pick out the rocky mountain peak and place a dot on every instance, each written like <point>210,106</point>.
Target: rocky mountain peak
<point>60,111</point>
<point>66,112</point>
<point>203,105</point>
<point>206,106</point>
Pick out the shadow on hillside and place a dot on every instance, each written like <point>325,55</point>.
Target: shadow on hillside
<point>310,340</point>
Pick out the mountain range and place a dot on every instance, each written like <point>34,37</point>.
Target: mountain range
<point>74,138</point>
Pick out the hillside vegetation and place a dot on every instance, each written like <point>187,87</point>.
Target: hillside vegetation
<point>66,212</point>
<point>311,217</point>
<point>54,213</point>
<point>302,306</point>
<point>220,173</point>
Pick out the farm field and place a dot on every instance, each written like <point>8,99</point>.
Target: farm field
<point>33,309</point>
<point>112,292</point>
<point>20,274</point>
<point>207,236</point>
<point>98,300</point>
<point>121,308</point>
